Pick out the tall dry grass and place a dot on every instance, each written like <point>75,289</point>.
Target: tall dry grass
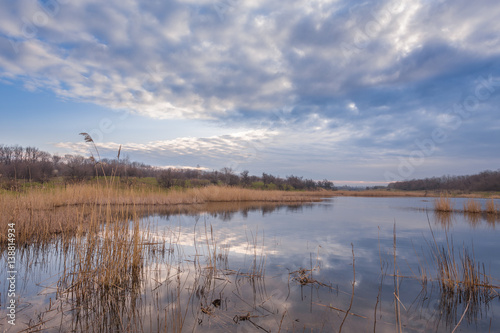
<point>105,277</point>
<point>462,280</point>
<point>464,283</point>
<point>443,204</point>
<point>79,194</point>
<point>472,206</point>
<point>40,214</point>
<point>491,207</point>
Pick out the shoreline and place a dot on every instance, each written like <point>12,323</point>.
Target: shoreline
<point>40,214</point>
<point>423,194</point>
<point>43,213</point>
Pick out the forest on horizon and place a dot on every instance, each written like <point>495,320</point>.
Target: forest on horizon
<point>484,181</point>
<point>35,165</point>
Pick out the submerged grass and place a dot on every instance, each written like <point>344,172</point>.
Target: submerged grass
<point>463,281</point>
<point>465,287</point>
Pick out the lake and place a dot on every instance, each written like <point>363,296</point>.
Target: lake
<point>349,264</point>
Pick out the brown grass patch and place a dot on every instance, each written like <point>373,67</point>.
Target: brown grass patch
<point>472,207</point>
<point>491,208</point>
<point>40,214</point>
<point>443,204</point>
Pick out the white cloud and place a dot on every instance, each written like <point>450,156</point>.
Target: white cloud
<point>237,146</point>
<point>353,108</point>
<point>239,66</point>
<point>185,60</point>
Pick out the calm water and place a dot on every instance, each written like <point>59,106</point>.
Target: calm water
<point>237,269</point>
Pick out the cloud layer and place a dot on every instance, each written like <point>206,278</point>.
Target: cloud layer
<point>361,80</point>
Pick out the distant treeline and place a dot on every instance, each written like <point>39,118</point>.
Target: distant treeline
<point>484,181</point>
<point>32,164</point>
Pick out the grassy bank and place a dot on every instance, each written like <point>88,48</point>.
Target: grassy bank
<point>39,214</point>
<point>80,194</point>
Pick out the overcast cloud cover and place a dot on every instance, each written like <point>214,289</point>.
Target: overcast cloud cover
<point>343,90</point>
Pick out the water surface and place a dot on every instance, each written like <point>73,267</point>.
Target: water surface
<point>264,268</point>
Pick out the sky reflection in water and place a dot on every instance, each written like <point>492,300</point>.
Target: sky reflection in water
<point>246,255</point>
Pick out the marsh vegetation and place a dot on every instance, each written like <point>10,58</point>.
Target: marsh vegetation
<point>470,206</point>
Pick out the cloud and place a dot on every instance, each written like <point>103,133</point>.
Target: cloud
<point>215,151</point>
<point>189,60</point>
<point>352,77</point>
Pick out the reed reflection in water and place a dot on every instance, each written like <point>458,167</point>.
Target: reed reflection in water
<point>254,268</point>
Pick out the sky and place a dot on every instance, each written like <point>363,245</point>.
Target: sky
<point>354,92</point>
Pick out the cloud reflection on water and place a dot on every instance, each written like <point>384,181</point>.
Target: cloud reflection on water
<point>243,255</point>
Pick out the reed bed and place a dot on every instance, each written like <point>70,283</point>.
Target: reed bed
<point>443,204</point>
<point>41,214</point>
<point>102,274</point>
<point>463,281</point>
<point>79,194</point>
<point>472,206</point>
<point>492,208</point>
<point>114,277</point>
<point>106,276</point>
<point>465,287</point>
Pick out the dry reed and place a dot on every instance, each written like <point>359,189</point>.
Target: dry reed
<point>443,204</point>
<point>40,214</point>
<point>461,280</point>
<point>491,207</point>
<point>472,206</point>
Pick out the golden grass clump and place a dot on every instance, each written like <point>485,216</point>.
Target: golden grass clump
<point>472,206</point>
<point>443,204</point>
<point>472,209</point>
<point>491,207</point>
